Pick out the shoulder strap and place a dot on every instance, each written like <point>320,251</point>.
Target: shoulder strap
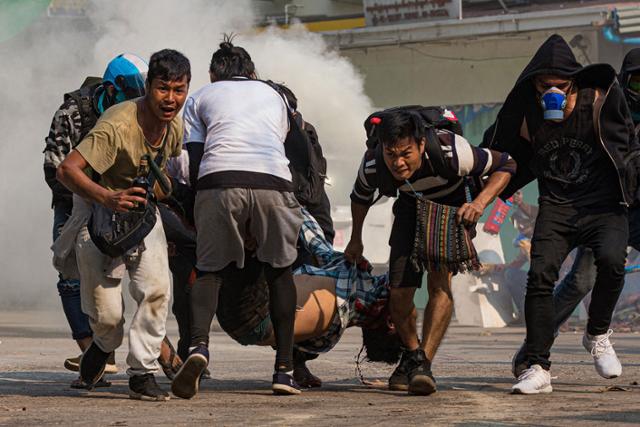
<point>298,154</point>
<point>156,165</point>
<point>435,155</point>
<point>160,156</point>
<point>83,97</point>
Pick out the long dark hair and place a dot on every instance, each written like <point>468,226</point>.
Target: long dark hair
<point>231,61</point>
<point>382,344</point>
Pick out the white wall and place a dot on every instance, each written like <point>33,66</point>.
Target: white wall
<point>453,72</point>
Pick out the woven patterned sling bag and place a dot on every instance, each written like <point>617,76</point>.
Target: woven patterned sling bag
<point>440,243</point>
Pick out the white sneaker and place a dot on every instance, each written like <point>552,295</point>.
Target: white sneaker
<point>534,380</point>
<point>604,356</point>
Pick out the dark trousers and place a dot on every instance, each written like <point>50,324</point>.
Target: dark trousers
<point>181,263</point>
<point>181,268</point>
<point>559,230</point>
<point>580,280</point>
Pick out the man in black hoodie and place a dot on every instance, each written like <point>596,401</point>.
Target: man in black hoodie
<point>629,78</point>
<point>580,280</point>
<point>569,127</point>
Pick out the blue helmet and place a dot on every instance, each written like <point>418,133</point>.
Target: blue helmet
<point>127,72</point>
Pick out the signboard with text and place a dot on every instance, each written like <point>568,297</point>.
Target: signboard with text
<point>386,12</point>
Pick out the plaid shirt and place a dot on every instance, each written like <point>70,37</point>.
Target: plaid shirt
<point>360,296</point>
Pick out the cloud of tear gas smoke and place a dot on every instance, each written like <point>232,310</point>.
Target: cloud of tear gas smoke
<point>53,55</point>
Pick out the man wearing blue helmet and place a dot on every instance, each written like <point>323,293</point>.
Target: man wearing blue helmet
<point>123,79</point>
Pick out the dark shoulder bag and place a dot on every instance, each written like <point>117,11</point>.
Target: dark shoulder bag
<point>115,233</point>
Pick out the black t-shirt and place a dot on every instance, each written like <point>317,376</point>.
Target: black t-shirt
<point>572,166</point>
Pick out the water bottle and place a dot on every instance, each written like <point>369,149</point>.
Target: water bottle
<point>142,181</point>
<point>497,216</point>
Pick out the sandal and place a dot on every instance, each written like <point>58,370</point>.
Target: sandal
<point>305,379</point>
<point>172,366</point>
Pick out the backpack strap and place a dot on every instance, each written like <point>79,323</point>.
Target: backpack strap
<point>435,154</point>
<point>156,165</point>
<point>298,154</point>
<point>84,99</point>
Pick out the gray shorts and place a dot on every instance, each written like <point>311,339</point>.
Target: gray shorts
<point>225,217</point>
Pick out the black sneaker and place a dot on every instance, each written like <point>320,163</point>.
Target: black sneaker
<point>144,387</point>
<point>80,385</point>
<point>92,365</point>
<point>187,380</point>
<point>421,380</point>
<point>206,374</point>
<point>284,383</point>
<point>399,379</point>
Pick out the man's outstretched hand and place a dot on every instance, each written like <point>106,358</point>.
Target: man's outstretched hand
<point>469,213</point>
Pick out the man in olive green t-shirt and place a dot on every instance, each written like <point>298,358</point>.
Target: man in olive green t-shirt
<point>113,149</point>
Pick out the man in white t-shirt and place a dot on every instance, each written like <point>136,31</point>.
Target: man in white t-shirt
<point>235,130</point>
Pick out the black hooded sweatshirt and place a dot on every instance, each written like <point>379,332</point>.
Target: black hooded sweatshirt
<point>614,129</point>
<point>631,65</point>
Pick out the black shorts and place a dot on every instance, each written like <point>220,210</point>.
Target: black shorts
<point>403,233</point>
<point>401,272</point>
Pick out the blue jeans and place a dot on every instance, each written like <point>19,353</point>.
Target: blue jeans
<point>69,288</point>
<point>574,287</point>
<point>516,282</point>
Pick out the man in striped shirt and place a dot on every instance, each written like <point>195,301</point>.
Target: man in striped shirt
<point>405,167</point>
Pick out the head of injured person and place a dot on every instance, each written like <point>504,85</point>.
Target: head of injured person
<point>381,341</point>
<point>402,138</point>
<point>231,61</point>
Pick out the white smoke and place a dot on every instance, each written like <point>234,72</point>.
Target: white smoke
<point>329,91</point>
<point>53,56</point>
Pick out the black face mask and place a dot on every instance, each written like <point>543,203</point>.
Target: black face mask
<point>127,92</point>
<point>633,100</point>
<point>105,100</point>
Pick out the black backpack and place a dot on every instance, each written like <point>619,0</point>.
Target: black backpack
<point>431,119</point>
<point>306,162</point>
<point>84,98</point>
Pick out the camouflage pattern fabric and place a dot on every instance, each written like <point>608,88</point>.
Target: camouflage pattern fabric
<point>63,136</point>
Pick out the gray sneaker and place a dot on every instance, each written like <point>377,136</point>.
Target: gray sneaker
<point>604,356</point>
